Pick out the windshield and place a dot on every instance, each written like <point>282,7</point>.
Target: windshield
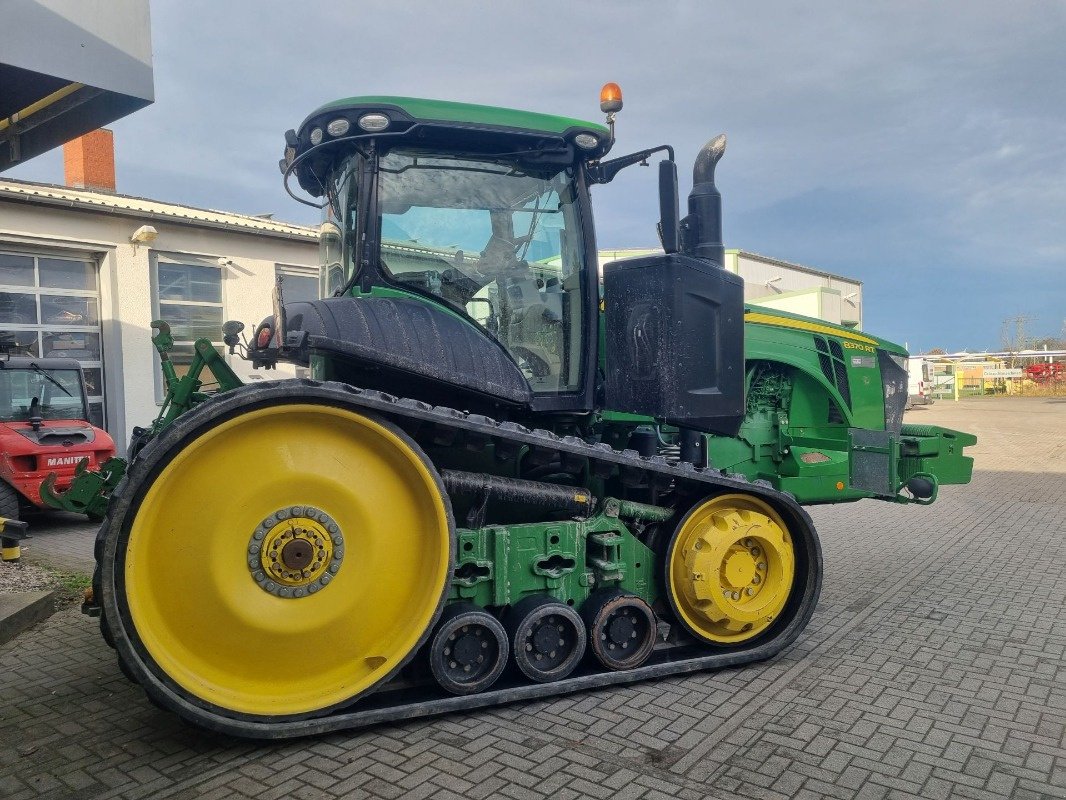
<point>57,392</point>
<point>501,243</point>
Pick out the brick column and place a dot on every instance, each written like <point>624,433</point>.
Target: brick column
<point>89,161</point>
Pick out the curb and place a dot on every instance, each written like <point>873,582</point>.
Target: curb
<point>23,610</point>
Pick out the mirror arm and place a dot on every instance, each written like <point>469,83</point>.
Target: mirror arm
<point>605,171</point>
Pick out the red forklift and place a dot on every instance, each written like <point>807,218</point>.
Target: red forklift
<point>44,429</point>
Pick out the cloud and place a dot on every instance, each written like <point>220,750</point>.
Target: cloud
<point>889,141</point>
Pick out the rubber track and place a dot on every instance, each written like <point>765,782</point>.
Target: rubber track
<point>378,707</point>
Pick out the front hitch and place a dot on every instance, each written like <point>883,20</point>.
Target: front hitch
<point>90,491</point>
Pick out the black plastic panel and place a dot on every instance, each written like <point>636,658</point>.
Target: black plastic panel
<point>871,461</point>
<point>412,337</point>
<point>675,341</point>
<point>894,383</point>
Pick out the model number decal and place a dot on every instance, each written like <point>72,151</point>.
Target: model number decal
<point>853,346</point>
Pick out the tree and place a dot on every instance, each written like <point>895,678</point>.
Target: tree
<point>1050,342</point>
<point>1014,334</point>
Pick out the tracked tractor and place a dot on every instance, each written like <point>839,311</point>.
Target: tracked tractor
<point>503,480</point>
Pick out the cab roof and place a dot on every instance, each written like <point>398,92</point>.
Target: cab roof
<point>463,114</point>
<point>27,362</point>
<point>333,131</point>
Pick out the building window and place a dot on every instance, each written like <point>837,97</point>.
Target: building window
<point>187,295</point>
<point>299,284</point>
<point>50,308</point>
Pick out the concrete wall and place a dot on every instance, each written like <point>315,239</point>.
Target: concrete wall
<point>130,364</point>
<point>819,302</point>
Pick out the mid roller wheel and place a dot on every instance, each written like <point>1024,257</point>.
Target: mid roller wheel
<point>468,651</point>
<point>730,568</point>
<point>275,555</point>
<point>621,628</point>
<point>547,638</point>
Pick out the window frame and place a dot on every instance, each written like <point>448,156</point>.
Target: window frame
<point>298,271</point>
<point>158,258</point>
<point>42,328</point>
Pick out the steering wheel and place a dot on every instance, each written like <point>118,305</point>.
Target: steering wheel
<point>461,281</point>
<point>530,362</point>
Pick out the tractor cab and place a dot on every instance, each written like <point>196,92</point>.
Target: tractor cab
<point>460,267</point>
<point>37,393</point>
<point>463,229</point>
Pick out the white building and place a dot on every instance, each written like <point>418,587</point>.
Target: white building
<point>786,286</point>
<point>84,272</point>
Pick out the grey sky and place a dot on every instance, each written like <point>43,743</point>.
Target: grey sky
<point>920,147</point>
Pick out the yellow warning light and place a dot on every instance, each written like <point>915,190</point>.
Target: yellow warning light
<point>840,486</point>
<point>611,98</point>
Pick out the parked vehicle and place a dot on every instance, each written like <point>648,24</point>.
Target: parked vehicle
<point>1046,373</point>
<point>44,429</point>
<point>919,382</point>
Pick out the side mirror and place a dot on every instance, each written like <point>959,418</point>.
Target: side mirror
<point>669,214</point>
<point>231,333</point>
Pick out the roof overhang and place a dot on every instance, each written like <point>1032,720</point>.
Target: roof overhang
<point>68,67</point>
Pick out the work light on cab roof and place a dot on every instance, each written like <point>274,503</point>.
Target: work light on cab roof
<point>373,122</point>
<point>338,127</point>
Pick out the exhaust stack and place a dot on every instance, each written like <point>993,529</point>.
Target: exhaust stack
<point>703,226</point>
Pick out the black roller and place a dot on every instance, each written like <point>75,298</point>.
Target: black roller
<point>547,638</point>
<point>468,651</point>
<point>621,628</point>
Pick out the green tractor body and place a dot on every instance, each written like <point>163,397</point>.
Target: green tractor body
<point>506,478</point>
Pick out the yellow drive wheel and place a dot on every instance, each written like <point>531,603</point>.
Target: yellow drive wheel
<point>286,560</point>
<point>730,569</point>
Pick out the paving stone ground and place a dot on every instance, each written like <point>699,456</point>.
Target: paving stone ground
<point>935,666</point>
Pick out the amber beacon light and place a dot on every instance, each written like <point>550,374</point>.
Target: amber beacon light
<point>611,98</point>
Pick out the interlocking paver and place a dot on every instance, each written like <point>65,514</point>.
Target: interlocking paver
<point>934,667</point>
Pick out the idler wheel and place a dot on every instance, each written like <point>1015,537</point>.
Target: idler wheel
<point>730,569</point>
<point>547,638</point>
<point>468,651</point>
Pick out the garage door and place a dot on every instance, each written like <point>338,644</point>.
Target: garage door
<point>50,307</point>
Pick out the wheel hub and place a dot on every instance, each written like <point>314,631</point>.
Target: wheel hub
<point>732,569</point>
<point>297,555</point>
<point>738,568</point>
<point>621,629</point>
<point>469,646</point>
<point>548,637</point>
<point>295,552</point>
